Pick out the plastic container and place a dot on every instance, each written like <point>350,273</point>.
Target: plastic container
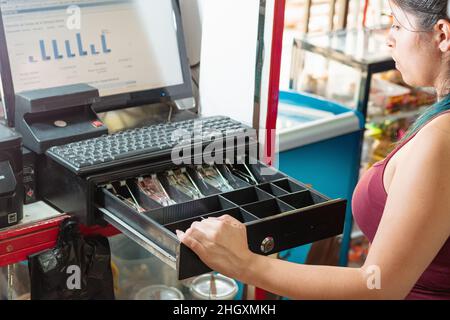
<point>222,288</point>
<point>386,95</point>
<point>137,268</point>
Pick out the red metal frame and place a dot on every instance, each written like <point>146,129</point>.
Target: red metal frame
<point>274,90</point>
<point>17,243</point>
<point>274,80</point>
<point>366,9</point>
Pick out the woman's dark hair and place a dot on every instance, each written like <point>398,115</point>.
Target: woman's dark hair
<point>427,13</point>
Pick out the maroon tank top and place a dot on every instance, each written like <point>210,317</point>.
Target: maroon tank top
<point>369,200</point>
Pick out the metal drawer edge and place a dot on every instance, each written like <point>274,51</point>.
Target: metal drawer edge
<point>139,238</point>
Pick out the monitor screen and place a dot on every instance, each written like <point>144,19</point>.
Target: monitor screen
<point>131,50</point>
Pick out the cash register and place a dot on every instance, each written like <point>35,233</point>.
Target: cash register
<point>153,177</point>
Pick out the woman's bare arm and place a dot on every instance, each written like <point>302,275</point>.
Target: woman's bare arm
<point>414,227</point>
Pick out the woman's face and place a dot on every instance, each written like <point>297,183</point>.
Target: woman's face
<point>416,57</point>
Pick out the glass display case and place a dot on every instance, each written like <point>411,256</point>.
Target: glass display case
<point>350,59</point>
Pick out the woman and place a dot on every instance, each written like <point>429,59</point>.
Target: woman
<point>402,204</point>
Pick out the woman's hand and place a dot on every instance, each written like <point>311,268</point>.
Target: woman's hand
<point>221,243</point>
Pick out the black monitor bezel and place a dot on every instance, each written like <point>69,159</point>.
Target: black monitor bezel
<point>118,101</point>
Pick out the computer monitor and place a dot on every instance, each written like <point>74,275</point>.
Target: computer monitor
<point>133,51</point>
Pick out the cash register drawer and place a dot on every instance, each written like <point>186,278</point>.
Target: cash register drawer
<point>279,213</point>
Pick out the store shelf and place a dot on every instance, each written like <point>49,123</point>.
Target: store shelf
<point>396,116</point>
<point>363,49</point>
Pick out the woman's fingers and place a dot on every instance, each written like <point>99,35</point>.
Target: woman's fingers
<point>201,230</point>
<point>226,217</point>
<point>191,241</point>
<point>230,220</point>
<point>221,243</point>
<point>207,232</point>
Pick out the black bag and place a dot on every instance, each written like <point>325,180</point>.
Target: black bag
<point>77,268</point>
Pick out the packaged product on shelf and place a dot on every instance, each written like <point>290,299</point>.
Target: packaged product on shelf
<point>386,96</point>
<point>393,76</point>
<point>422,97</point>
<point>389,94</point>
<point>384,136</point>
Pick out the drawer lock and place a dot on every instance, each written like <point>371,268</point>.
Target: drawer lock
<point>267,245</point>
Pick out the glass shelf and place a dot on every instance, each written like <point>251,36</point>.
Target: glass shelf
<point>357,48</point>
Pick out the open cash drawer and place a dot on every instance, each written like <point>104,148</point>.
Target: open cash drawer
<point>279,213</point>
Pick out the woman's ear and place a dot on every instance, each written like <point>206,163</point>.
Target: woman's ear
<point>443,29</point>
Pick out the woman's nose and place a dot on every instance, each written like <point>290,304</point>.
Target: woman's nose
<point>390,40</point>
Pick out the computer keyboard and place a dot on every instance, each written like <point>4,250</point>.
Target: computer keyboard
<point>88,156</point>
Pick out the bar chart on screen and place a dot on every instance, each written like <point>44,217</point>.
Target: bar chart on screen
<point>66,49</point>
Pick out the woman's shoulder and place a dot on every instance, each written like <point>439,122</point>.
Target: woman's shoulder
<point>438,128</point>
<point>434,137</point>
<point>425,160</point>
